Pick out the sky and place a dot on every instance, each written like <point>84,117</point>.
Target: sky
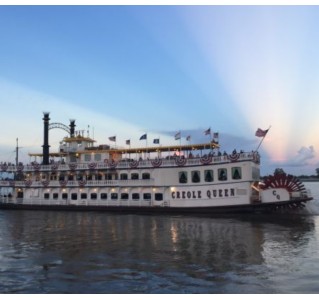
<point>130,70</point>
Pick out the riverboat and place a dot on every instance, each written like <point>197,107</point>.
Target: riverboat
<point>194,178</point>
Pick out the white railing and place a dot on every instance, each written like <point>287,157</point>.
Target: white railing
<point>147,163</point>
<point>75,183</point>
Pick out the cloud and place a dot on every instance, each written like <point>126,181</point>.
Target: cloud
<point>304,155</point>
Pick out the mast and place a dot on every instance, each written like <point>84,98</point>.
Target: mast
<point>17,153</point>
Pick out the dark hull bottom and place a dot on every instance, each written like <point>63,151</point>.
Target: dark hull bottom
<point>258,207</point>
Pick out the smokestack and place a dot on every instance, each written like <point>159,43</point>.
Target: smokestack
<point>72,128</point>
<point>46,145</point>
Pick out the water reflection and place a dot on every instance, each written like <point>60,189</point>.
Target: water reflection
<point>101,253</point>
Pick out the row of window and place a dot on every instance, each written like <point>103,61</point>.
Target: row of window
<point>96,157</point>
<point>222,175</point>
<point>105,196</point>
<point>124,176</point>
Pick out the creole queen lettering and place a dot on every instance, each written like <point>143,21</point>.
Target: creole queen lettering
<point>197,194</point>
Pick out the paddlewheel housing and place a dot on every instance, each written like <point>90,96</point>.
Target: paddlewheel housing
<point>286,181</point>
<point>273,186</point>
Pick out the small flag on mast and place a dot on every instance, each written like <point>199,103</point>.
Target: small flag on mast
<point>207,132</point>
<point>143,137</point>
<point>261,133</point>
<point>178,136</point>
<point>188,138</point>
<point>112,138</point>
<point>156,141</point>
<point>128,142</point>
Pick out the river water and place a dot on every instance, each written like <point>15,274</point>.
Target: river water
<point>91,252</point>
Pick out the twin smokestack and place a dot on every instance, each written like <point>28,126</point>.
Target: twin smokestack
<point>46,146</point>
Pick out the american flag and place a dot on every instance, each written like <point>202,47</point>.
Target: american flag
<point>261,133</point>
<point>112,138</point>
<point>128,142</point>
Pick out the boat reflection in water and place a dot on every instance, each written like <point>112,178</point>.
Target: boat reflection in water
<point>85,252</point>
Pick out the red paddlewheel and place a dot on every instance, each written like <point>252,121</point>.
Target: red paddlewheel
<point>289,182</point>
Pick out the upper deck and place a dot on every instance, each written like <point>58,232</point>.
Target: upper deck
<point>170,161</point>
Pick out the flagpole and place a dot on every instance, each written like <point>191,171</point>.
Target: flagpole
<point>180,143</point>
<point>262,139</point>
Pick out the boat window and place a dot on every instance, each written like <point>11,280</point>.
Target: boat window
<point>89,177</point>
<point>123,176</point>
<point>72,158</point>
<point>74,196</point>
<point>134,176</point>
<point>97,157</point>
<point>65,196</point>
<point>99,176</point>
<point>158,196</point>
<point>124,196</point>
<point>222,174</point>
<point>182,177</point>
<point>114,196</point>
<point>236,172</point>
<point>87,157</point>
<point>55,195</point>
<point>84,195</point>
<point>146,176</point>
<point>209,175</point>
<point>147,196</point>
<point>46,196</point>
<point>195,176</point>
<point>136,196</point>
<point>103,196</point>
<point>53,177</point>
<point>93,196</point>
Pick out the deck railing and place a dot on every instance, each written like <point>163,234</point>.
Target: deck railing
<point>79,183</point>
<point>132,164</point>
